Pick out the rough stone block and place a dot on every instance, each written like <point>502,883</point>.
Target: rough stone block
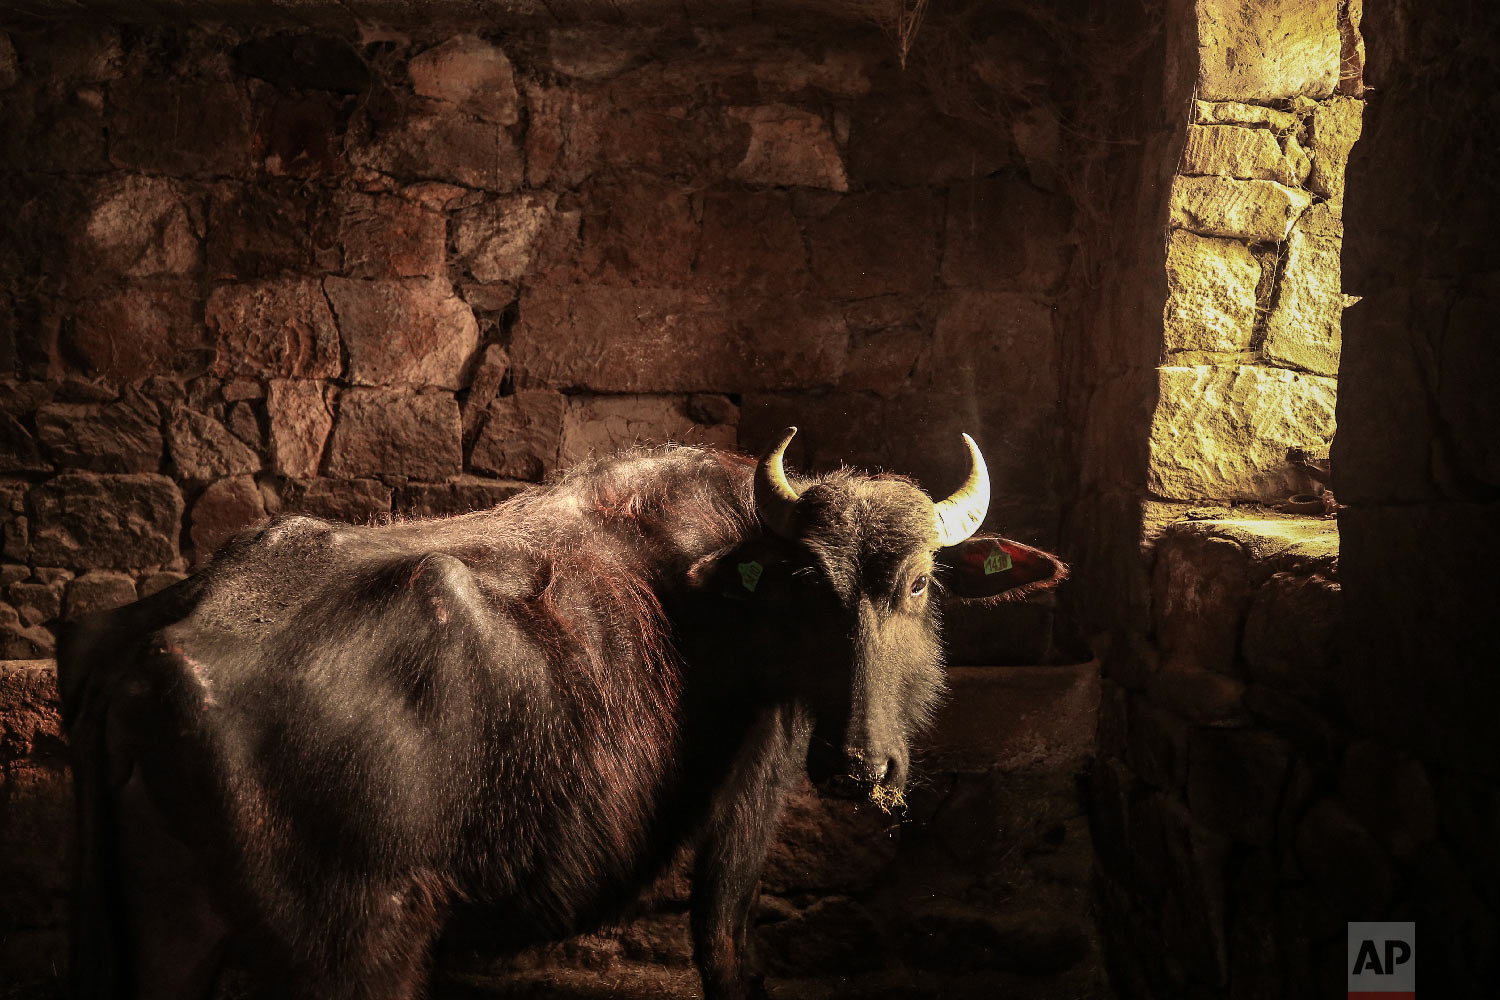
<point>36,602</point>
<point>1258,211</point>
<point>1303,327</point>
<point>100,590</point>
<point>498,240</point>
<point>1267,51</point>
<point>141,226</point>
<point>1016,718</point>
<point>447,499</point>
<point>1203,592</point>
<point>469,74</point>
<point>275,328</point>
<point>883,360</point>
<point>84,520</point>
<point>600,425</point>
<point>351,501</point>
<point>1466,396</point>
<point>1391,795</point>
<point>1234,151</point>
<point>841,68</point>
<point>180,127</point>
<point>1384,450</point>
<point>1157,740</point>
<point>1274,543</point>
<point>789,147</point>
<point>202,449</point>
<point>1199,695</point>
<point>995,343</point>
<point>445,147</point>
<point>562,136</point>
<point>1211,301</point>
<point>18,450</point>
<point>20,641</point>
<point>1413,657</point>
<point>902,143</point>
<point>483,388</point>
<point>1344,862</point>
<point>387,432</point>
<point>10,68</point>
<point>876,243</point>
<point>255,231</point>
<point>1237,113</point>
<point>1235,779</point>
<point>221,511</point>
<point>750,242</point>
<point>1291,633</point>
<point>155,583</point>
<point>595,52</point>
<point>245,425</point>
<point>299,135</point>
<point>387,237</point>
<point>139,331</point>
<point>652,340</point>
<point>409,333</point>
<point>664,135</point>
<point>1004,233</point>
<point>110,437</point>
<point>1223,432</point>
<point>522,435</point>
<point>629,232</point>
<point>1187,863</point>
<point>1336,125</point>
<point>300,419</point>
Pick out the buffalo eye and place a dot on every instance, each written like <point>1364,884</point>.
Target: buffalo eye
<point>919,585</point>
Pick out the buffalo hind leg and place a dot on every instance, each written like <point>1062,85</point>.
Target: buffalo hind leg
<point>726,872</point>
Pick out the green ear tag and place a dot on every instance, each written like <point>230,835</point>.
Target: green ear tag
<point>996,562</point>
<point>750,574</point>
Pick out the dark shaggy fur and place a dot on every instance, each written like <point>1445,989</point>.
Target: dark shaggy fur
<point>323,743</point>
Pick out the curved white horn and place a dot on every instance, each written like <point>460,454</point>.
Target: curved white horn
<point>959,516</point>
<point>775,500</point>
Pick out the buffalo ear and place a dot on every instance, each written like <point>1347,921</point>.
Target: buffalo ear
<point>989,568</point>
<point>745,572</point>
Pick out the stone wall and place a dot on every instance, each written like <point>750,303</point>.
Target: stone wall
<point>366,277</point>
<point>1296,724</point>
<point>1236,814</point>
<point>1254,299</point>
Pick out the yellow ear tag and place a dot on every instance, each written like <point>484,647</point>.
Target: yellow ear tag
<point>750,573</point>
<point>996,562</point>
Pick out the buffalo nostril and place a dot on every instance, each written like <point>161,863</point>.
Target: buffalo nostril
<point>868,769</point>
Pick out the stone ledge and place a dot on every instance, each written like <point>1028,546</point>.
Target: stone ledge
<point>1311,543</point>
<point>1015,719</point>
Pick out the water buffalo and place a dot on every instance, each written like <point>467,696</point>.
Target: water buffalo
<point>318,746</point>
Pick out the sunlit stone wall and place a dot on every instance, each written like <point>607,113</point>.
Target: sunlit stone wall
<point>1251,321</point>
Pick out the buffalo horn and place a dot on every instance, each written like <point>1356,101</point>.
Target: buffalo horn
<point>775,500</point>
<point>959,516</point>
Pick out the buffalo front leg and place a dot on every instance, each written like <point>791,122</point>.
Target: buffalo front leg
<point>726,875</point>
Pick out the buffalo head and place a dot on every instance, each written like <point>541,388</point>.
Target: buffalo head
<point>855,569</point>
